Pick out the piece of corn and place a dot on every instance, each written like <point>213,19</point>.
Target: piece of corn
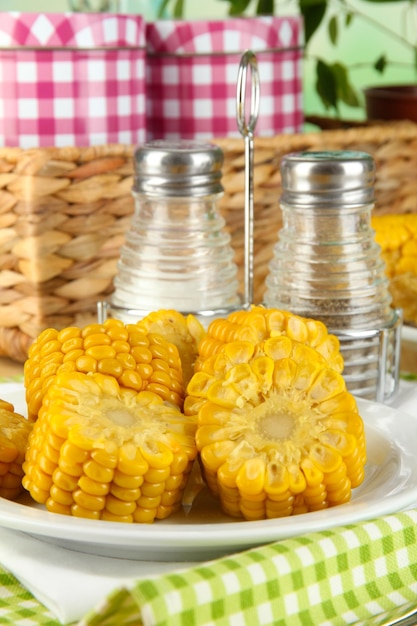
<point>397,237</point>
<point>14,434</point>
<point>137,359</point>
<point>103,452</point>
<point>278,433</point>
<point>258,324</point>
<point>185,332</point>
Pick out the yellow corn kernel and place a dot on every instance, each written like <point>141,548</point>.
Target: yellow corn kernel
<point>315,494</point>
<point>278,433</point>
<point>144,516</point>
<point>61,497</point>
<point>299,506</point>
<point>124,494</point>
<point>125,481</point>
<point>250,479</point>
<point>116,506</point>
<point>117,455</point>
<point>93,487</point>
<point>54,506</point>
<point>339,492</point>
<point>149,502</point>
<point>77,510</point>
<point>152,490</point>
<point>63,481</point>
<point>110,517</point>
<point>134,356</point>
<point>279,506</point>
<point>14,435</point>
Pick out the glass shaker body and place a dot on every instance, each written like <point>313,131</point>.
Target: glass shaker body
<point>327,265</point>
<point>177,253</point>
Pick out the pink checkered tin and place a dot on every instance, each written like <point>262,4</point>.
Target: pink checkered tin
<point>71,79</point>
<point>191,75</point>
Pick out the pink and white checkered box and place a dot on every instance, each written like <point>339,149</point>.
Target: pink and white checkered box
<point>191,75</point>
<point>71,79</point>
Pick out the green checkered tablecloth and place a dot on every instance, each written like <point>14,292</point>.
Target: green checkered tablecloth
<point>362,574</point>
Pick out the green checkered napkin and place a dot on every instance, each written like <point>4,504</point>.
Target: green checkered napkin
<point>364,573</point>
<point>18,607</point>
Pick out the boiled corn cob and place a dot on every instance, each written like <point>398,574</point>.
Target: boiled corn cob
<point>14,434</point>
<point>397,236</point>
<point>137,359</point>
<point>185,332</point>
<point>278,433</point>
<point>99,451</point>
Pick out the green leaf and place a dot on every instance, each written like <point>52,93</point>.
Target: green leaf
<point>333,30</point>
<point>237,7</point>
<point>326,86</point>
<point>333,85</point>
<point>162,8</point>
<point>345,90</point>
<point>415,58</point>
<point>179,9</point>
<point>313,12</point>
<point>380,64</point>
<point>384,1</point>
<point>348,19</point>
<point>265,7</point>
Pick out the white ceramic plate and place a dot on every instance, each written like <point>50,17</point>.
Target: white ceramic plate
<point>203,532</point>
<point>409,333</point>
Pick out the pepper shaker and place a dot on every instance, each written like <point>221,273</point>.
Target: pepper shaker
<point>327,265</point>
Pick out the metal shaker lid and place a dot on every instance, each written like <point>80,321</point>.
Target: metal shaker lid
<point>327,178</point>
<point>178,168</point>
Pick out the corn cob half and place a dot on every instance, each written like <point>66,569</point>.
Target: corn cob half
<point>14,435</point>
<point>278,433</point>
<point>138,359</point>
<point>99,451</point>
<point>397,237</point>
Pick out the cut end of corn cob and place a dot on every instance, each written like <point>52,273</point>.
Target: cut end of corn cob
<point>14,435</point>
<point>137,359</point>
<point>185,332</point>
<point>278,433</point>
<point>99,451</point>
<point>397,237</point>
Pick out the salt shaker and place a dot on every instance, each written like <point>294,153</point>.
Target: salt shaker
<point>177,253</point>
<point>326,264</point>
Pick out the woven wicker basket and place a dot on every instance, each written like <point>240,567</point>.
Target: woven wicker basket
<point>64,213</point>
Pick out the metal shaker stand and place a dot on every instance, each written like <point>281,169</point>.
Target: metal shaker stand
<point>386,341</point>
<point>247,130</point>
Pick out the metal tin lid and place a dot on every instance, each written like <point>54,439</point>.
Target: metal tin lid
<point>178,168</point>
<point>327,178</point>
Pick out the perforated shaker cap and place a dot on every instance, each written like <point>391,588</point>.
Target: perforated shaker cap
<point>327,178</point>
<point>178,168</point>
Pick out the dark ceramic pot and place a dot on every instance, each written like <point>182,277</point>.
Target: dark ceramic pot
<point>393,102</point>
